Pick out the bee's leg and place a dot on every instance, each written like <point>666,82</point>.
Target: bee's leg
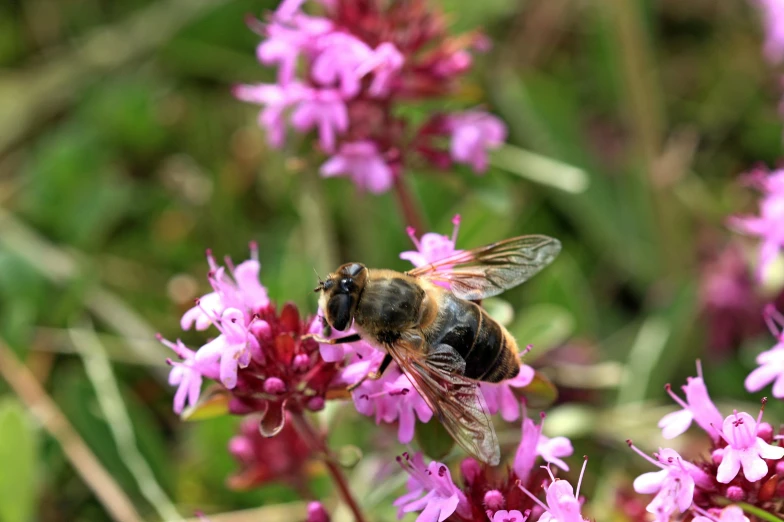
<point>340,340</point>
<point>373,375</point>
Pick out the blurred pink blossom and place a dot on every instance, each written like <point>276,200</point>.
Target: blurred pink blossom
<point>362,162</point>
<point>473,134</point>
<point>771,369</point>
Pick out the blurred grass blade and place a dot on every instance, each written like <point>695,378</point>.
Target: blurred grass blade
<point>100,373</point>
<point>18,455</point>
<point>540,169</point>
<point>648,347</point>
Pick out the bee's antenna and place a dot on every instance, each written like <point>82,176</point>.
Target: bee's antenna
<point>321,282</point>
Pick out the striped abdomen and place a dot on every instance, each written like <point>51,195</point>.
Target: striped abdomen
<point>489,351</point>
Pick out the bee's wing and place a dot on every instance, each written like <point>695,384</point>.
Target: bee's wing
<point>491,269</point>
<point>457,402</point>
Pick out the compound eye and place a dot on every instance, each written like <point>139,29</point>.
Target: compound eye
<point>339,311</point>
<point>346,284</point>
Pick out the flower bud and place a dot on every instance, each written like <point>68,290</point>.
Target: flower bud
<point>274,386</point>
<point>315,404</point>
<point>717,456</point>
<point>735,493</point>
<point>765,431</point>
<point>494,500</point>
<point>301,363</point>
<point>470,469</point>
<point>317,513</point>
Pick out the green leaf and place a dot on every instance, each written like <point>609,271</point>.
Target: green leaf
<point>540,394</point>
<point>212,403</point>
<point>540,169</point>
<point>18,452</point>
<point>433,439</point>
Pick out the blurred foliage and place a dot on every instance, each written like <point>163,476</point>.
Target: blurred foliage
<point>136,160</point>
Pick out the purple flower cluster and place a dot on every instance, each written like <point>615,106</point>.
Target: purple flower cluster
<point>491,493</point>
<point>769,225</point>
<point>738,441</point>
<point>345,74</point>
<point>261,358</point>
<point>771,369</point>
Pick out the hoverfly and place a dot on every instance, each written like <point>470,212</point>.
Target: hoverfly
<point>426,321</point>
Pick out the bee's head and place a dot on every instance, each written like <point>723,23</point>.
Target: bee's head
<point>340,294</point>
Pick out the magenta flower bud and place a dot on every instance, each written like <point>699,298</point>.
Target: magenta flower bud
<point>470,469</point>
<point>765,431</point>
<point>317,513</point>
<point>241,448</point>
<point>274,386</point>
<point>261,329</point>
<point>316,404</point>
<point>494,500</point>
<point>735,493</point>
<point>717,455</point>
<point>780,468</point>
<point>301,363</point>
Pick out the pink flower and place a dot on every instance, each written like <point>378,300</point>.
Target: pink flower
<point>698,407</point>
<point>385,62</point>
<point>772,361</point>
<point>232,348</point>
<point>509,516</point>
<point>769,226</point>
<point>390,398</point>
<point>432,247</point>
<point>500,397</point>
<point>361,161</point>
<point>773,17</point>
<point>340,56</point>
<point>533,444</point>
<point>745,448</point>
<point>276,100</point>
<point>563,504</point>
<point>186,375</point>
<point>322,108</point>
<point>317,513</point>
<point>673,485</point>
<point>728,514</point>
<point>431,491</point>
<point>473,134</point>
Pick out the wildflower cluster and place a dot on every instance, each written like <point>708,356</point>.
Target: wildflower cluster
<point>769,225</point>
<point>498,495</point>
<point>262,357</point>
<point>346,73</point>
<point>704,486</point>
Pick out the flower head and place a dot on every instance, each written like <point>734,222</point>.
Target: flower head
<point>361,161</point>
<point>263,357</point>
<point>431,491</point>
<point>533,444</point>
<point>745,448</point>
<point>432,247</point>
<point>673,485</point>
<point>769,225</point>
<point>563,504</point>
<point>473,134</point>
<point>771,362</point>
<point>698,407</point>
<point>392,398</point>
<point>348,71</point>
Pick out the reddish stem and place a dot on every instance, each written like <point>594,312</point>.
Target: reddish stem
<point>408,207</point>
<point>317,443</point>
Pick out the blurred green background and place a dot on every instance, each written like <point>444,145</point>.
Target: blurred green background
<point>123,156</point>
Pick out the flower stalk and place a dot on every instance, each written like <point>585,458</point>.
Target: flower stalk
<point>408,206</point>
<point>319,446</point>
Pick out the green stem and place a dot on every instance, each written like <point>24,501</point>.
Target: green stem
<point>412,215</point>
<point>318,444</point>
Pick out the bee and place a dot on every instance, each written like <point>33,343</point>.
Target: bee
<point>427,320</point>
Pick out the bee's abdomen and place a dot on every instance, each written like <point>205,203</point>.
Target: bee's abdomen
<point>481,342</point>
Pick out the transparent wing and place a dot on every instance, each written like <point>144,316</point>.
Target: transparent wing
<point>490,270</point>
<point>455,399</point>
